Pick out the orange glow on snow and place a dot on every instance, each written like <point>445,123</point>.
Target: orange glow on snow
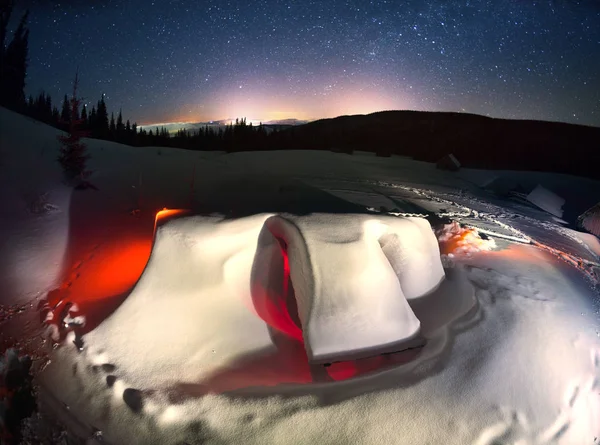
<point>455,239</point>
<point>164,214</point>
<point>467,236</point>
<point>517,252</point>
<point>110,272</point>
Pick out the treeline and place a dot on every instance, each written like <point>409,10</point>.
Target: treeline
<point>13,59</point>
<point>97,123</point>
<point>238,136</point>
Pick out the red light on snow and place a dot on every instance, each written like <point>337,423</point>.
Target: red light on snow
<point>116,269</point>
<point>99,280</point>
<point>110,271</point>
<point>355,368</point>
<point>342,370</point>
<point>273,305</point>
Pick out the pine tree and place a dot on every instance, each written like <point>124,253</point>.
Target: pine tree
<point>120,128</point>
<point>42,108</point>
<point>133,135</point>
<point>48,107</point>
<point>55,116</point>
<point>6,8</point>
<point>65,114</point>
<point>102,119</point>
<point>72,154</point>
<point>13,60</point>
<point>112,127</point>
<point>37,106</point>
<point>92,121</point>
<point>84,115</point>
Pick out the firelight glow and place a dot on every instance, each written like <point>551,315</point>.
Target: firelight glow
<point>164,214</point>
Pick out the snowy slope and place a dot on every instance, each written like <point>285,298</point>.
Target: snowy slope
<point>521,366</point>
<point>35,210</point>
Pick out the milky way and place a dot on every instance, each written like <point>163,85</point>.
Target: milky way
<point>164,61</point>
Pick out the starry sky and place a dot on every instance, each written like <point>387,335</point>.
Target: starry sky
<point>192,61</point>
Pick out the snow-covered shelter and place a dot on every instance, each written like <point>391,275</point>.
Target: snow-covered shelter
<point>362,287</point>
<point>448,162</point>
<point>590,220</point>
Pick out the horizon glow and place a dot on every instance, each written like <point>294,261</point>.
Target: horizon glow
<point>178,61</point>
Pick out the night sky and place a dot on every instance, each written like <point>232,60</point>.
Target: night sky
<point>189,61</point>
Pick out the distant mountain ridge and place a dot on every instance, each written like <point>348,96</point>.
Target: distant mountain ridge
<point>477,141</point>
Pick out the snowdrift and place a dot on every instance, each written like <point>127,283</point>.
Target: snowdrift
<point>353,279</point>
<point>511,352</point>
<point>510,370</point>
<point>353,275</point>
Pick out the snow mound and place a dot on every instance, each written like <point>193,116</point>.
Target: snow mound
<point>481,379</point>
<point>192,304</point>
<point>352,275</point>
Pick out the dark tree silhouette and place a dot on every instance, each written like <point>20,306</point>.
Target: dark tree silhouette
<point>120,126</point>
<point>92,120</point>
<point>55,115</point>
<point>101,127</point>
<point>84,115</point>
<point>72,154</point>
<point>65,114</point>
<point>48,107</point>
<point>6,7</point>
<point>13,60</point>
<point>112,127</point>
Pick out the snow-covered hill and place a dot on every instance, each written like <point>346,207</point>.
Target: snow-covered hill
<point>178,349</point>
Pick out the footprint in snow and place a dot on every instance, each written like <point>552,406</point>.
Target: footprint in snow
<point>133,398</point>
